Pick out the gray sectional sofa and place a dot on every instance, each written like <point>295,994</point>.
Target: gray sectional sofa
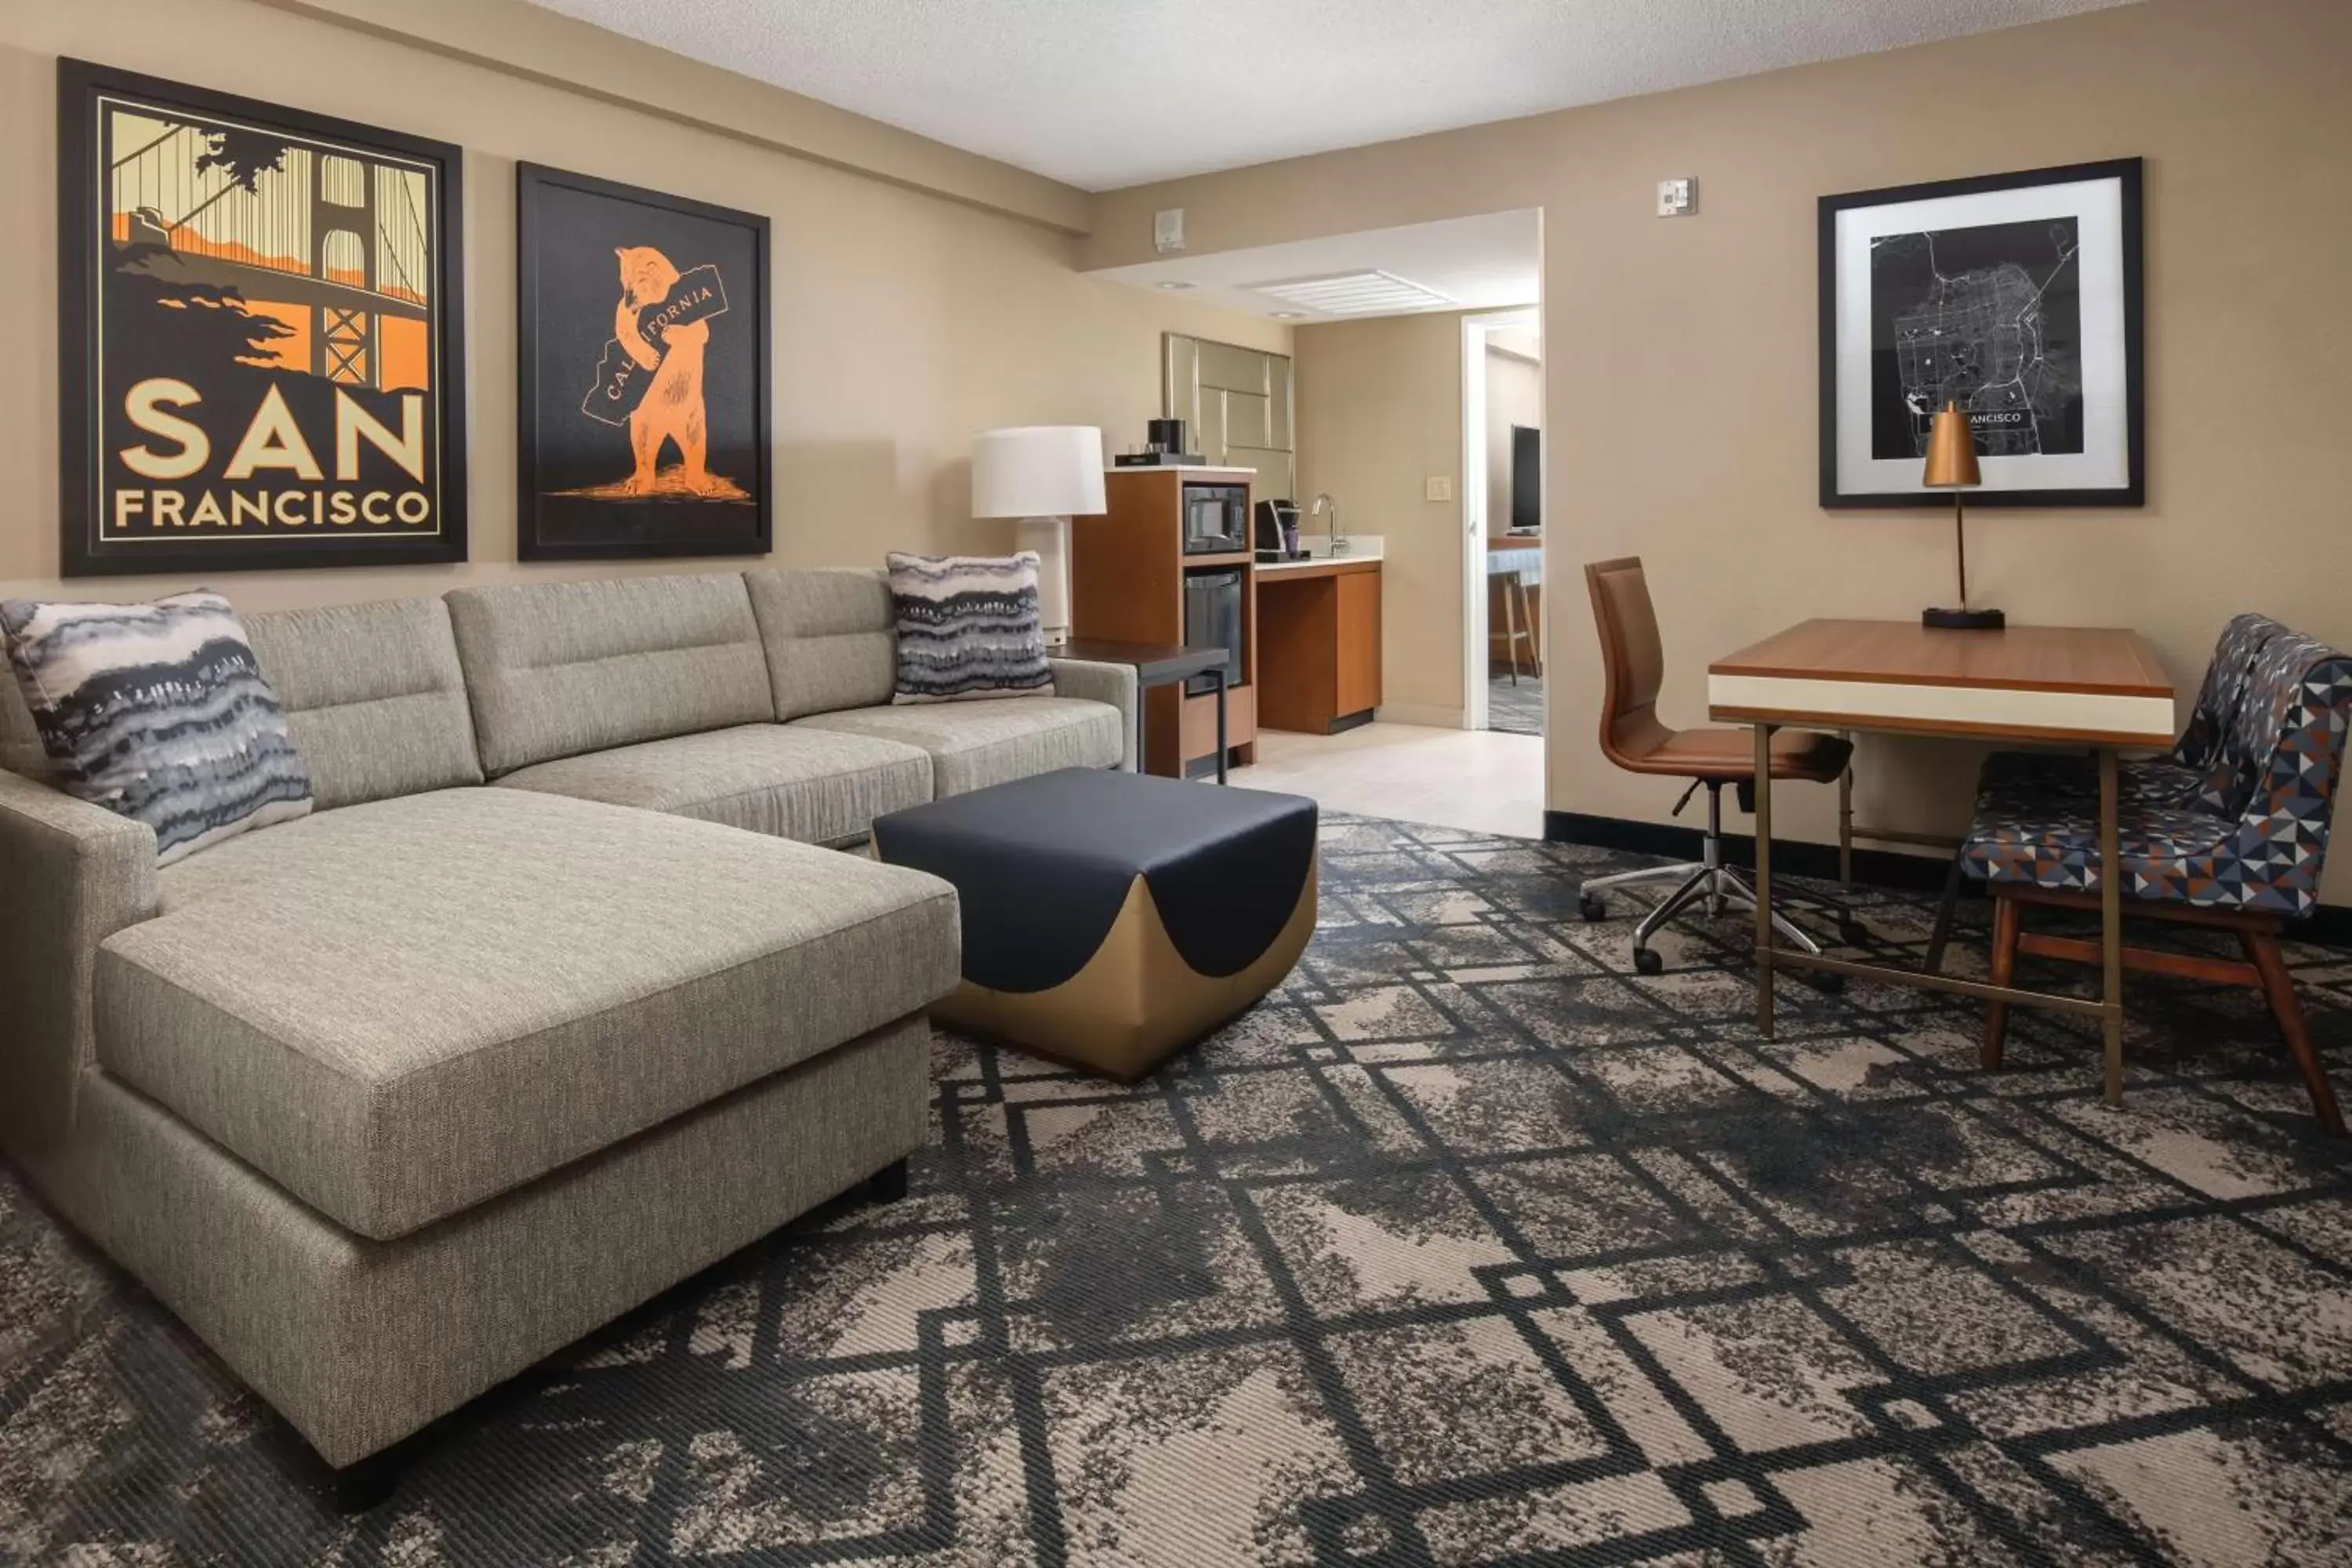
<point>554,1000</point>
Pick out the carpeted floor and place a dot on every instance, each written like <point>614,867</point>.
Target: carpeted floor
<point>1468,1247</point>
<point>1516,710</point>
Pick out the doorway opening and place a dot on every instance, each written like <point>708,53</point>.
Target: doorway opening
<point>1502,537</point>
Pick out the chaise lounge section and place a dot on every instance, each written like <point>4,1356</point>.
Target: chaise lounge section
<point>521,1025</point>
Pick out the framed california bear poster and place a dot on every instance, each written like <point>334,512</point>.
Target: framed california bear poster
<point>644,392</point>
<point>260,342</point>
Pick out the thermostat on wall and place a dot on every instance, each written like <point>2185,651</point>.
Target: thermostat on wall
<point>1168,229</point>
<point>1677,198</point>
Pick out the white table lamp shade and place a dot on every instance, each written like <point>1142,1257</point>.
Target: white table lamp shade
<point>1043,475</point>
<point>1037,470</point>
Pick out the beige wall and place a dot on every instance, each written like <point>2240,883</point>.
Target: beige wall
<point>1380,411</point>
<point>903,320</point>
<point>1682,352</point>
<point>1514,396</point>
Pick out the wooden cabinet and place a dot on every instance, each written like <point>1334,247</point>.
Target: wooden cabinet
<point>1127,568</point>
<point>1319,646</point>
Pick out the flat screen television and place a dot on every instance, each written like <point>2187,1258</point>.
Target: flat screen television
<point>1526,476</point>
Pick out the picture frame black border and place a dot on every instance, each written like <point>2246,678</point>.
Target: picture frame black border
<point>80,224</point>
<point>2133,493</point>
<point>530,180</point>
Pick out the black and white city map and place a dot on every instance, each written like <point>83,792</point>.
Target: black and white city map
<point>1989,316</point>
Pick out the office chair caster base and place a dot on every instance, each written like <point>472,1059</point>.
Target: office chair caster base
<point>1647,961</point>
<point>1591,909</point>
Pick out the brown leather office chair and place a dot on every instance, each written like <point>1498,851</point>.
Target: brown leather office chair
<point>1632,736</point>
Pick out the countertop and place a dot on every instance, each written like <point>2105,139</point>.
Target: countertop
<point>1362,548</point>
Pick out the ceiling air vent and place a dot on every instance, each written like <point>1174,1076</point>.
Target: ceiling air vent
<point>1353,294</point>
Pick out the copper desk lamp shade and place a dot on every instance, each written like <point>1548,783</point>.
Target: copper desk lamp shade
<point>1952,466</point>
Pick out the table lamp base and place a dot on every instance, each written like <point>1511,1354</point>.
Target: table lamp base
<point>1964,620</point>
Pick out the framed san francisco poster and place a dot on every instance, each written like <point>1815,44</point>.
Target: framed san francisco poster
<point>260,344</point>
<point>2015,299</point>
<point>642,322</point>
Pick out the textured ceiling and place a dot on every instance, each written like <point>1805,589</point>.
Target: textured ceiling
<point>1103,93</point>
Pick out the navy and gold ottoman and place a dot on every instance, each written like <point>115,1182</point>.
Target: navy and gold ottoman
<point>1110,919</point>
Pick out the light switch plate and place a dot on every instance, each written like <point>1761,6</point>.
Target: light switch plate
<point>1438,487</point>
<point>1168,229</point>
<point>1677,198</point>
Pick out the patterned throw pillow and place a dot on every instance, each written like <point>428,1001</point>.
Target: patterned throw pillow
<point>968,628</point>
<point>158,711</point>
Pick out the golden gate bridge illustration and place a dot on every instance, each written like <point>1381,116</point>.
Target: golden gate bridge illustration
<point>331,242</point>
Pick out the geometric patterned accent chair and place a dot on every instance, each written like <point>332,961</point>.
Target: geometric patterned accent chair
<point>2230,830</point>
<point>2199,762</point>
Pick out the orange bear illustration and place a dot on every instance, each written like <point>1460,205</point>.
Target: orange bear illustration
<point>673,407</point>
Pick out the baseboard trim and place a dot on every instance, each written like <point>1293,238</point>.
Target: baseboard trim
<point>1880,867</point>
<point>2329,926</point>
<point>1419,713</point>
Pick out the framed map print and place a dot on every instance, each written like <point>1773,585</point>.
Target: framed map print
<point>260,343</point>
<point>2016,297</point>
<point>645,405</point>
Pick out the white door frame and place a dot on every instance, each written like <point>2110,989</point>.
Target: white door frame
<point>1474,331</point>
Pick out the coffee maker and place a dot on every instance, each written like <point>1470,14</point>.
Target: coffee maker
<point>1163,448</point>
<point>1277,532</point>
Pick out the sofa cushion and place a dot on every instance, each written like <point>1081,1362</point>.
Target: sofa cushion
<point>159,712</point>
<point>815,785</point>
<point>976,744</point>
<point>373,696</point>
<point>558,669</point>
<point>399,1009</point>
<point>968,628</point>
<point>829,637</point>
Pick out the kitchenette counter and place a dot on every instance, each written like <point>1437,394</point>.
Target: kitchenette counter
<point>1318,627</point>
<point>1293,570</point>
<point>1363,550</point>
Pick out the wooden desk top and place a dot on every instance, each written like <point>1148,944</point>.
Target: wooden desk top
<point>2092,684</point>
<point>2020,659</point>
<point>1515,540</point>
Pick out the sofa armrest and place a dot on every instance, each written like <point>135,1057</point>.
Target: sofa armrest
<point>1111,683</point>
<point>71,875</point>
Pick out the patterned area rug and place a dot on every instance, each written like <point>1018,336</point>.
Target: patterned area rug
<point>1516,710</point>
<point>1470,1246</point>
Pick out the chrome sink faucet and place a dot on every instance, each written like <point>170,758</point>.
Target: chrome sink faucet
<point>1325,504</point>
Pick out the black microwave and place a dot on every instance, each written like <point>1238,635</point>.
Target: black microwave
<point>1216,519</point>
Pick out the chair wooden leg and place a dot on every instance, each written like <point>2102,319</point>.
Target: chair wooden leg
<point>2007,921</point>
<point>2278,989</point>
<point>1527,624</point>
<point>1511,621</point>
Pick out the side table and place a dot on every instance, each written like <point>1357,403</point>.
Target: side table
<point>1157,664</point>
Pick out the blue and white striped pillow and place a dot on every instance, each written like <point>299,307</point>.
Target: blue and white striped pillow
<point>158,711</point>
<point>968,628</point>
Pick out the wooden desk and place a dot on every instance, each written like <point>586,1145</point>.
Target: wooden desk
<point>2095,687</point>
